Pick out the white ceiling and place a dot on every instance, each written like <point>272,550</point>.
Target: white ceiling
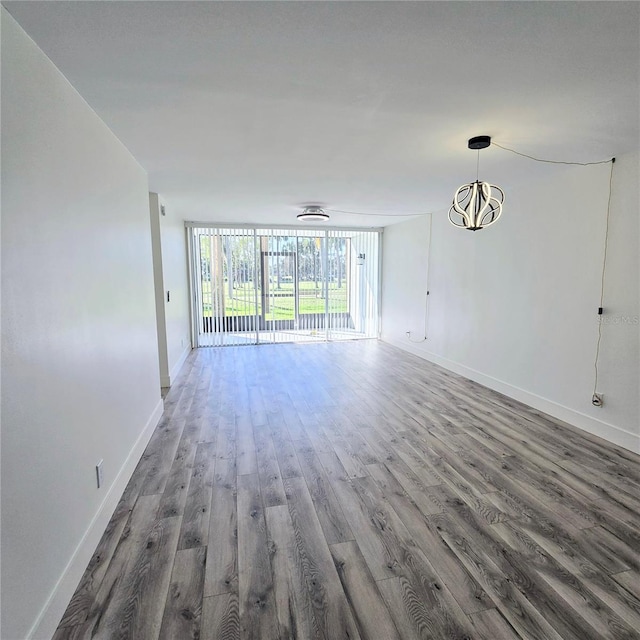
<point>245,111</point>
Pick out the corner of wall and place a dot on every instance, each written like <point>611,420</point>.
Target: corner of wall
<point>178,366</point>
<point>175,293</point>
<point>158,281</point>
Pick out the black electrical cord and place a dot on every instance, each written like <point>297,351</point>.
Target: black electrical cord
<point>606,244</point>
<point>524,155</point>
<point>604,269</point>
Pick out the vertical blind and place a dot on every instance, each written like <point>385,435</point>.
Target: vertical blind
<point>253,285</point>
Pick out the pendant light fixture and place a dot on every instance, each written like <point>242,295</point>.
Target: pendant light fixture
<point>313,213</point>
<point>476,205</point>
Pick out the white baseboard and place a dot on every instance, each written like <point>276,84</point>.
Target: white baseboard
<point>48,619</point>
<point>167,381</point>
<point>610,432</point>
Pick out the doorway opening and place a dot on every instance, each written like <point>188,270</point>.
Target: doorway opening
<point>252,285</point>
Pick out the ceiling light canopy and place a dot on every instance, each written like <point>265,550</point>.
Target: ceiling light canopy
<point>476,205</point>
<point>313,213</point>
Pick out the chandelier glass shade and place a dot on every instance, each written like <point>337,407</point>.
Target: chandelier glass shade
<point>476,205</point>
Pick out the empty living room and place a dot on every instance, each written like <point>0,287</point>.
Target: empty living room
<point>320,320</point>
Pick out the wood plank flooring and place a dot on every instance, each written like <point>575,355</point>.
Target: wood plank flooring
<point>350,490</point>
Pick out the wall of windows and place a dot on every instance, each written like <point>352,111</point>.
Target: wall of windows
<point>252,285</point>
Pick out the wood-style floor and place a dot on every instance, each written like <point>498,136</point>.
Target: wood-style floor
<point>344,491</point>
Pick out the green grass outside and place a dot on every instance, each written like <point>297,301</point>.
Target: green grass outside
<point>281,300</point>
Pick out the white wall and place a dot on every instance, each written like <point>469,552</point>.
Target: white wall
<point>515,306</point>
<point>158,281</point>
<point>79,355</point>
<point>405,263</point>
<point>365,282</point>
<point>170,274</point>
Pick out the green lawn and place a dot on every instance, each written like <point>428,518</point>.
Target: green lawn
<point>281,300</point>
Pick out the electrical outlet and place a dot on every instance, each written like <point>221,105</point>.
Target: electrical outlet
<point>597,400</point>
<point>100,474</point>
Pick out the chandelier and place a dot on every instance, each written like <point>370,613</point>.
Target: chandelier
<point>476,205</point>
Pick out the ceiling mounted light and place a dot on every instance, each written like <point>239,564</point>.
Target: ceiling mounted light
<point>313,213</point>
<point>478,204</point>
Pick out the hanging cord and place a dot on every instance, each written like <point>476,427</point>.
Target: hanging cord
<point>524,155</point>
<point>596,401</point>
<point>604,269</point>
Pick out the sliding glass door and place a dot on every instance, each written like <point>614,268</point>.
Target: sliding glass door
<point>254,284</point>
